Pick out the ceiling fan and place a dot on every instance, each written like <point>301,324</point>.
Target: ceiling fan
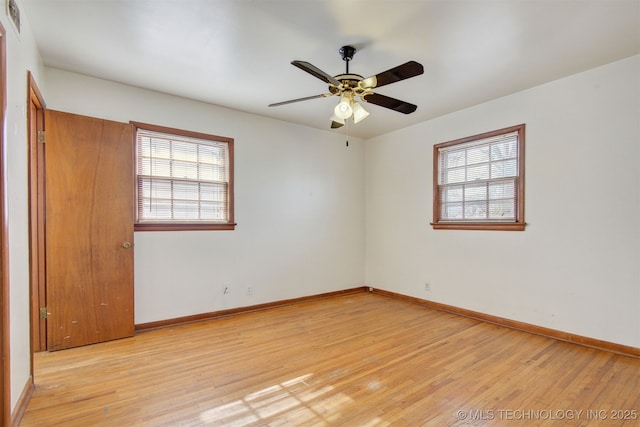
<point>351,86</point>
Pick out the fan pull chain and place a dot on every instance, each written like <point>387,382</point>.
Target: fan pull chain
<point>347,130</point>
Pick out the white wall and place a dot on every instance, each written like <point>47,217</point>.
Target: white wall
<point>22,56</point>
<point>299,205</point>
<point>576,268</point>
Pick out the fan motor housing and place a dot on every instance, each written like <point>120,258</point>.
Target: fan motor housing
<point>347,82</point>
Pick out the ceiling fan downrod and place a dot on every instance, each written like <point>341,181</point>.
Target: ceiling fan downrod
<point>347,53</point>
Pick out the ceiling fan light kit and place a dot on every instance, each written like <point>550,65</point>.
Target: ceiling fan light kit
<point>349,86</point>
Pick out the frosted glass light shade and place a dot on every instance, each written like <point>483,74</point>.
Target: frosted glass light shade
<point>343,109</point>
<point>359,113</point>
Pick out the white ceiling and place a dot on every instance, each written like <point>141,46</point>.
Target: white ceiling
<point>237,53</point>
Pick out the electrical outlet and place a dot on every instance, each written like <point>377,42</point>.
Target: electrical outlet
<point>249,290</point>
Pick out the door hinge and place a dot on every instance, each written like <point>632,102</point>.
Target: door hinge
<point>41,136</point>
<point>44,313</point>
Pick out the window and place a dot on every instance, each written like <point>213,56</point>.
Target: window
<point>184,180</point>
<point>478,181</point>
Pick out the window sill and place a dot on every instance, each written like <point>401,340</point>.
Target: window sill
<point>496,226</point>
<point>182,227</point>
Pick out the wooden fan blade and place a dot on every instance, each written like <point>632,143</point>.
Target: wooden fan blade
<point>396,74</point>
<point>336,125</point>
<point>306,98</point>
<point>391,103</point>
<point>315,71</point>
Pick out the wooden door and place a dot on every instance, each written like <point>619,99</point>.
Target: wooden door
<point>89,230</point>
<point>35,119</point>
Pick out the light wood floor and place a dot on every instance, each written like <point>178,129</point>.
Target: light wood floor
<point>354,360</point>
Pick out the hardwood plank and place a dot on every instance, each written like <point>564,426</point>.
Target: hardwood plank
<point>358,359</point>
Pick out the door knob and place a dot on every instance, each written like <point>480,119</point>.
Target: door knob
<point>126,245</point>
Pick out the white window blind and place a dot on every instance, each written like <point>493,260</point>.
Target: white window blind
<point>478,180</point>
<point>181,179</point>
